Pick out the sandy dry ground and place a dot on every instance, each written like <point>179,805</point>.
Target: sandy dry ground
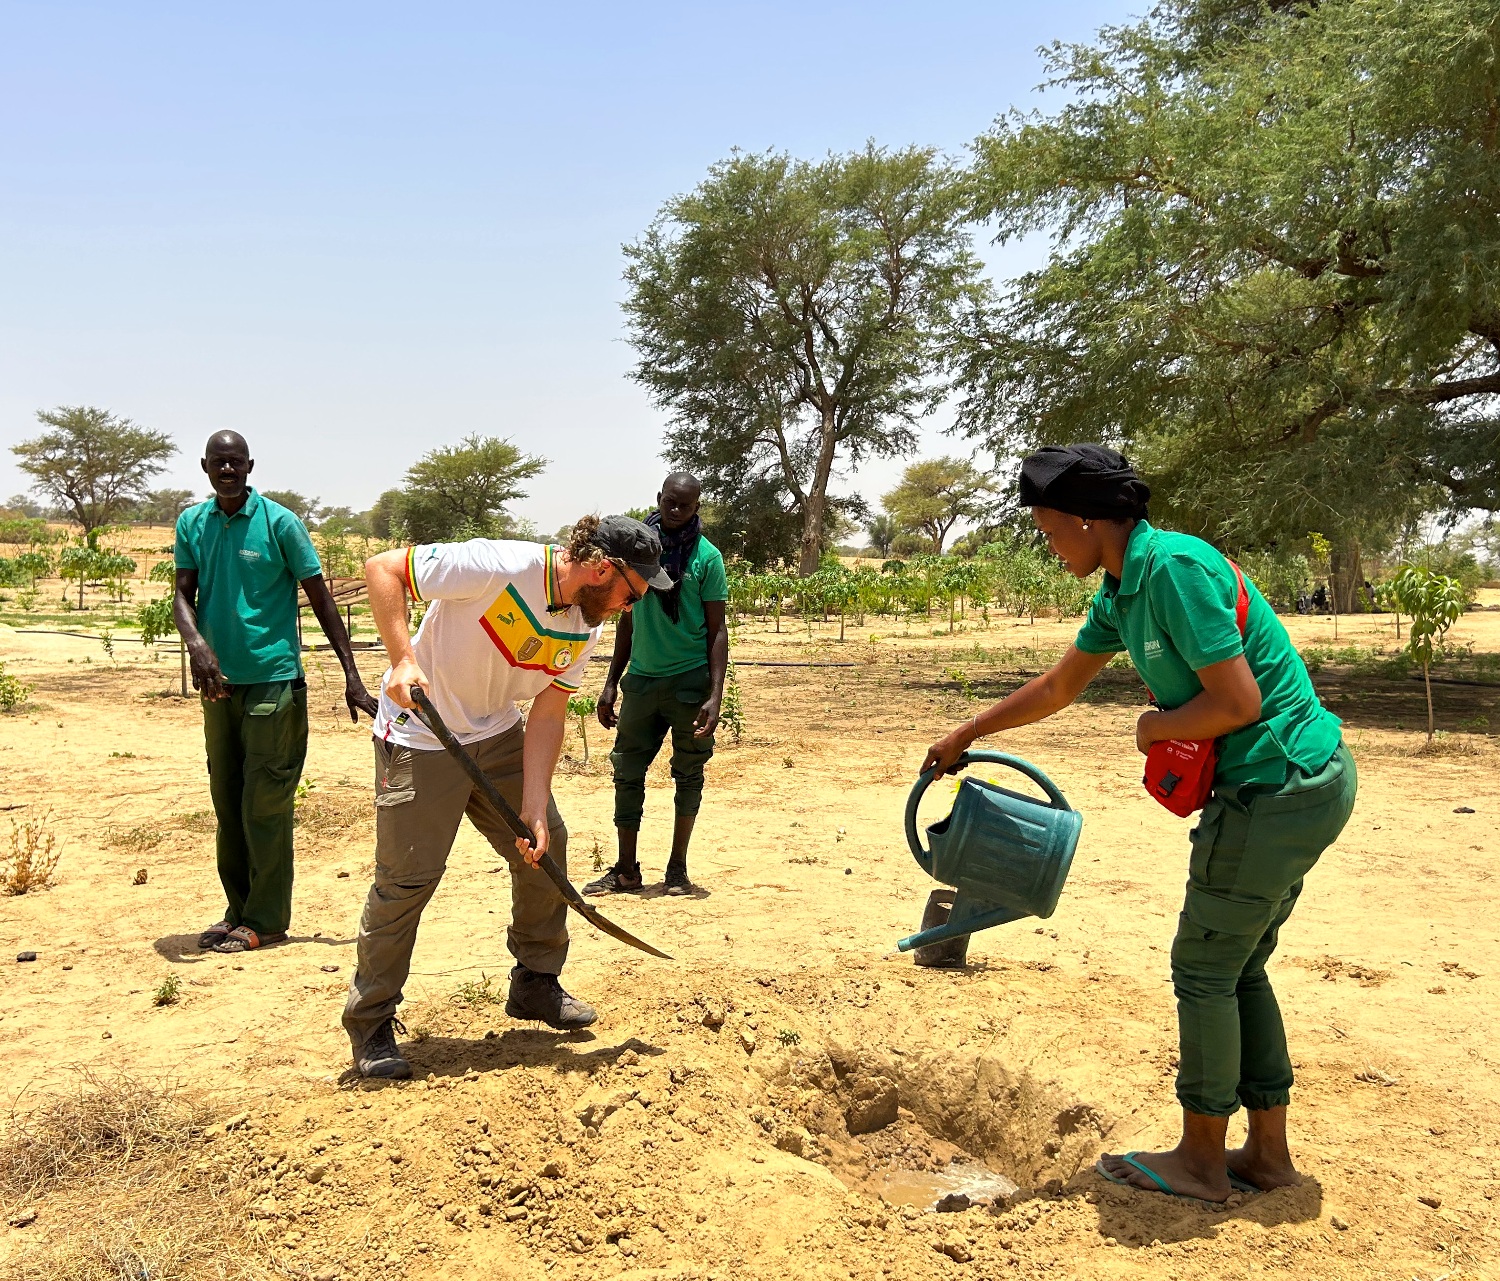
<point>702,1127</point>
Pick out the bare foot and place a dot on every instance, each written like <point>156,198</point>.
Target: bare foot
<point>1205,1184</point>
<point>1260,1171</point>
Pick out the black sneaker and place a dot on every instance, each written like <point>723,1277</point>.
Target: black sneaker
<point>616,881</point>
<point>541,997</point>
<point>379,1057</point>
<point>677,879</point>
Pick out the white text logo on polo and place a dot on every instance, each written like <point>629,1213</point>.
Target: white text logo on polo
<point>1153,649</point>
<point>249,553</point>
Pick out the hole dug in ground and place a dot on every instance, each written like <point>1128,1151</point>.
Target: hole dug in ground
<point>935,1129</point>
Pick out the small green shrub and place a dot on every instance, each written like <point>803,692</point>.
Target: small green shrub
<point>732,709</point>
<point>167,991</point>
<point>13,691</point>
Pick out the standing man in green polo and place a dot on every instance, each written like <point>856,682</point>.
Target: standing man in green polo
<point>677,648</point>
<point>239,560</point>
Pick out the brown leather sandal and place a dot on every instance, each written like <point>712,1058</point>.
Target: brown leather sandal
<point>243,939</point>
<point>214,935</point>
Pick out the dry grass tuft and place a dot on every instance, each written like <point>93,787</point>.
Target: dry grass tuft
<point>139,839</point>
<point>196,821</point>
<point>335,811</point>
<point>32,861</point>
<point>121,1201</point>
<point>107,1125</point>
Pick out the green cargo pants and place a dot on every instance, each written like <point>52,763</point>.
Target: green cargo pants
<point>653,705</point>
<point>257,741</point>
<point>1251,849</point>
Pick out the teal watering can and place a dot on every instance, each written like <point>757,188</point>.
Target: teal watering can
<point>1006,855</point>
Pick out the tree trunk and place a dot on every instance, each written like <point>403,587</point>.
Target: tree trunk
<point>1427,681</point>
<point>815,511</point>
<point>1346,577</point>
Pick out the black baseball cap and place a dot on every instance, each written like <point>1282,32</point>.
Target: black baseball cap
<point>626,539</point>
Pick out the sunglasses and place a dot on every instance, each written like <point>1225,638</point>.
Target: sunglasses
<point>635,597</point>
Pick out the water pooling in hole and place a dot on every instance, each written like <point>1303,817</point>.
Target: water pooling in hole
<point>925,1188</point>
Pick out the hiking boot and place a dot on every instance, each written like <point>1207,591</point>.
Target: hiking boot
<point>618,880</point>
<point>379,1057</point>
<point>677,879</point>
<point>541,997</point>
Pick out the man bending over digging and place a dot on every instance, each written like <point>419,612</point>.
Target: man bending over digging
<point>678,651</point>
<point>508,621</point>
<point>239,559</point>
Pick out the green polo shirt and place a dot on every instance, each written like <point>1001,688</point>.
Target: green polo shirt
<point>660,647</point>
<point>249,565</point>
<point>1173,611</point>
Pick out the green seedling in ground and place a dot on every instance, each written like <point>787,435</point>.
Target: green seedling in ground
<point>1433,602</point>
<point>472,995</point>
<point>732,708</point>
<point>13,691</point>
<point>167,991</point>
<point>788,1037</point>
<point>583,706</point>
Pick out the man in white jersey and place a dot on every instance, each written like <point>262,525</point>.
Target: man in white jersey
<point>507,621</point>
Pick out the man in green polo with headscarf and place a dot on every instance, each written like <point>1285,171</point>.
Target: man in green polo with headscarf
<point>239,559</point>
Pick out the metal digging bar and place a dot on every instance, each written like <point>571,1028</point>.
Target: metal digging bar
<point>428,714</point>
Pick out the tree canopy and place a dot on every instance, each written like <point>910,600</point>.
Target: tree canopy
<point>790,316</point>
<point>164,506</point>
<point>460,491</point>
<point>303,508</point>
<point>935,494</point>
<point>1276,267</point>
<point>92,464</point>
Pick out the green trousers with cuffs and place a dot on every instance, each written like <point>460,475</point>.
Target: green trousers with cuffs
<point>257,742</point>
<point>652,707</point>
<point>1250,851</point>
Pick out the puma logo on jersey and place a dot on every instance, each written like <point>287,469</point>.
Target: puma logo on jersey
<point>524,641</point>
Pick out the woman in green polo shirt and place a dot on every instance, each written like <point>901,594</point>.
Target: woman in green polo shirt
<point>1283,789</point>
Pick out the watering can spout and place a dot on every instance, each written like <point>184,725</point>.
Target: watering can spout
<point>1006,854</point>
<point>968,915</point>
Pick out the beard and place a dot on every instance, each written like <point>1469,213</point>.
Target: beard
<point>593,603</point>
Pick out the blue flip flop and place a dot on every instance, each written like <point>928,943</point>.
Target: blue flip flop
<point>1162,1186</point>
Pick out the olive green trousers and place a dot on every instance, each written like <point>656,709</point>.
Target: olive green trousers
<point>256,741</point>
<point>1251,849</point>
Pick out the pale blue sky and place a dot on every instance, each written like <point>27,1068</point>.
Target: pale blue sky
<point>355,232</point>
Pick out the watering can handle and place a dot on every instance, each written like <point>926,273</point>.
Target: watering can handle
<point>924,857</point>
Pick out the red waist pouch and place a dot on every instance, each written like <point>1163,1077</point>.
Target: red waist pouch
<point>1180,771</point>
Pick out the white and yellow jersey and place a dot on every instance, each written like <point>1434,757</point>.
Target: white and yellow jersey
<point>494,634</point>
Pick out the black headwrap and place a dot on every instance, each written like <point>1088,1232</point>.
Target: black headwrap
<point>1083,480</point>
<point>677,546</point>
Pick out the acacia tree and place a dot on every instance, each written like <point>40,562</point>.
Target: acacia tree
<point>92,464</point>
<point>164,506</point>
<point>935,494</point>
<point>460,491</point>
<point>303,508</point>
<point>1276,266</point>
<point>790,316</point>
<point>882,530</point>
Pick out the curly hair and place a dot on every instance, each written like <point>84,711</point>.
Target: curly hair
<point>582,549</point>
